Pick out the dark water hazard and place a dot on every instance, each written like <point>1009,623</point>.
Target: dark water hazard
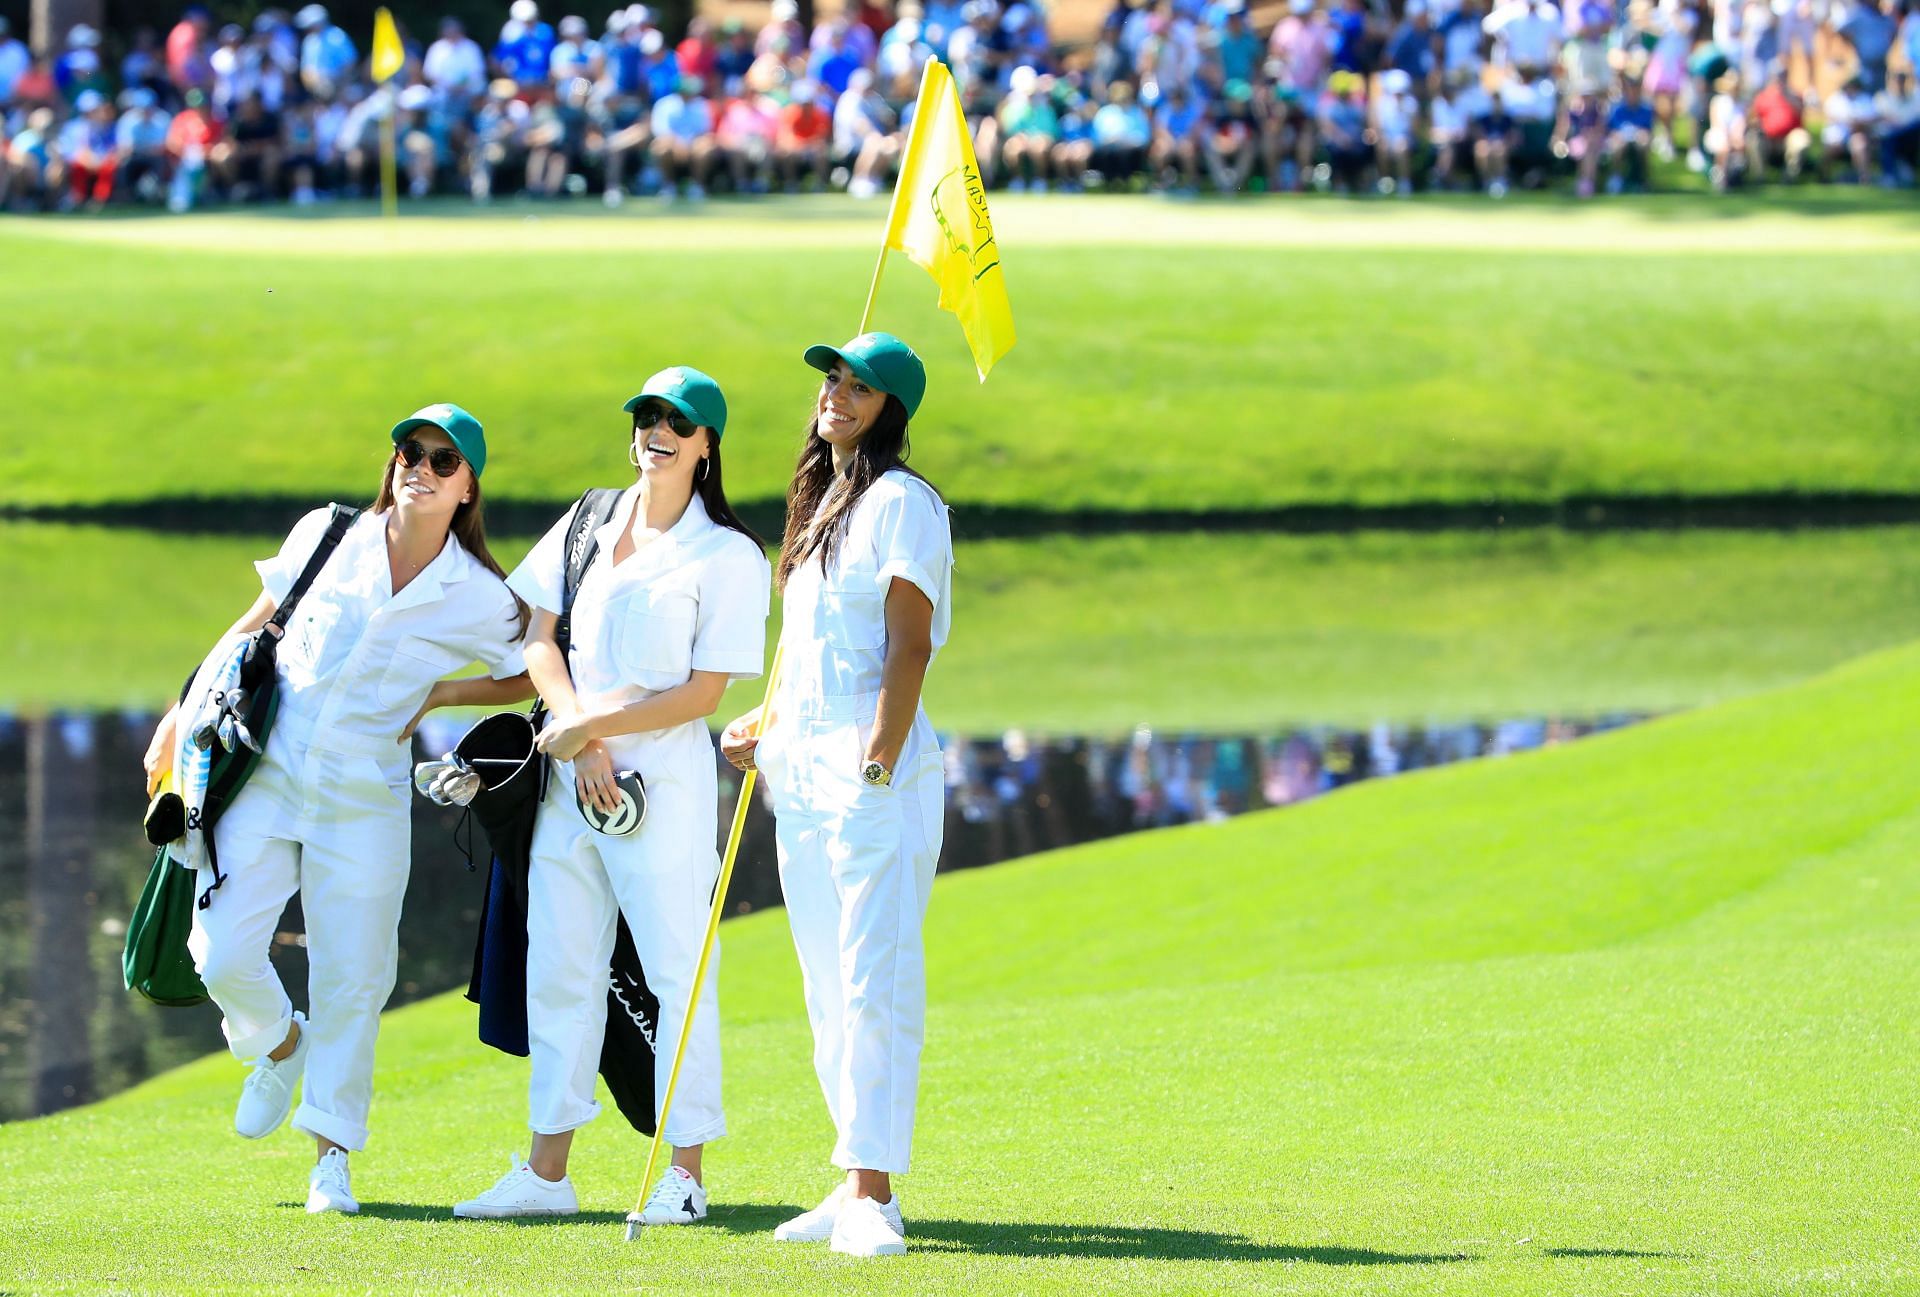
<point>249,515</point>
<point>72,861</point>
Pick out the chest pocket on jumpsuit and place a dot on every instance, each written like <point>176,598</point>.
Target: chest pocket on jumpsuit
<point>653,636</point>
<point>415,665</point>
<point>298,656</point>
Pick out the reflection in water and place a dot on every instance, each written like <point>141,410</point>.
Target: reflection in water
<point>72,861</point>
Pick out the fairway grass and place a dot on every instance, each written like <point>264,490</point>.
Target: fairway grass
<point>1165,361</point>
<point>1226,634</point>
<point>1631,1015</point>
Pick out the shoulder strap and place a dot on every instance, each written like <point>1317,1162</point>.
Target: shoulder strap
<point>343,518</point>
<point>583,543</point>
<point>583,535</point>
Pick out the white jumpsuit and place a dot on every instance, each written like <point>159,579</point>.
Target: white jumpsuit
<point>325,812</point>
<point>694,599</point>
<point>857,860</point>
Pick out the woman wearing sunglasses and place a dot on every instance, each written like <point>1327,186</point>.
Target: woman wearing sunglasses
<point>410,594</point>
<point>855,769</point>
<point>672,607</point>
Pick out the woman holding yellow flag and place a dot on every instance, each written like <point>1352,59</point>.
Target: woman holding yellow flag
<point>855,769</point>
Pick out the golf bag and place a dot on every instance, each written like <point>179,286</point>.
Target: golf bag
<point>155,962</point>
<point>506,806</point>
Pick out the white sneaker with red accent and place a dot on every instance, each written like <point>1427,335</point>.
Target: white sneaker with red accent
<point>863,1227</point>
<point>677,1199</point>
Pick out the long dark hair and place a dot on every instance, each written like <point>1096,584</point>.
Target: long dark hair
<point>816,491</point>
<point>706,483</point>
<point>469,527</point>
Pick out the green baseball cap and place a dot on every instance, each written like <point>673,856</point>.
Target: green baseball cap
<point>465,430</point>
<point>879,360</point>
<point>689,391</point>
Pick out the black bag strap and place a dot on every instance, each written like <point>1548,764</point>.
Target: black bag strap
<point>583,545</point>
<point>343,518</point>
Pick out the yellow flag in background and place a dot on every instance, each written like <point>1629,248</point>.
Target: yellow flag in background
<point>388,54</point>
<point>940,219</point>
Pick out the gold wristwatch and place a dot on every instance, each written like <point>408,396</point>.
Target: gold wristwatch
<point>876,774</point>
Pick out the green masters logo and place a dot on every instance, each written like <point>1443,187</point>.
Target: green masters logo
<point>960,193</point>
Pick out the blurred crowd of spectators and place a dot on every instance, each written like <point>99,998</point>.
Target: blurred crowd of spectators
<point>1016,795</point>
<point>1385,95</point>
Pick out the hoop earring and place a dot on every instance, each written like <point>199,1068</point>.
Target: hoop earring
<point>633,455</point>
<point>705,464</point>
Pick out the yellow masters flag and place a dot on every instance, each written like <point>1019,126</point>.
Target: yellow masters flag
<point>939,219</point>
<point>388,55</point>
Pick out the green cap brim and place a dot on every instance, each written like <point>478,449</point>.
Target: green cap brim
<point>476,456</point>
<point>674,401</point>
<point>821,357</point>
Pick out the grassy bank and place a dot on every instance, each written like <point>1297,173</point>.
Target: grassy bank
<point>1628,1016</point>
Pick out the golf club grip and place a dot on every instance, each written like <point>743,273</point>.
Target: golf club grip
<point>706,948</point>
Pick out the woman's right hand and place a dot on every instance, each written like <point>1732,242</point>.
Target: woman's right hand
<point>593,777</point>
<point>738,740</point>
<point>159,758</point>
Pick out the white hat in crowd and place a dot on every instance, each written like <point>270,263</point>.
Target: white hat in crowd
<point>82,37</point>
<point>573,25</point>
<point>523,11</point>
<point>311,16</point>
<point>785,11</point>
<point>652,41</point>
<point>1395,81</point>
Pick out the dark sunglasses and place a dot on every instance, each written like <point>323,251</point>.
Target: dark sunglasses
<point>444,461</point>
<point>654,411</point>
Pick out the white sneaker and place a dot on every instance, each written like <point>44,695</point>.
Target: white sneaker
<point>614,196</point>
<point>267,1096</point>
<point>815,1226</point>
<point>677,1199</point>
<point>521,1192</point>
<point>863,1227</point>
<point>328,1188</point>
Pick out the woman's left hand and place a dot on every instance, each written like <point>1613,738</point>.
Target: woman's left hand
<point>563,737</point>
<point>433,701</point>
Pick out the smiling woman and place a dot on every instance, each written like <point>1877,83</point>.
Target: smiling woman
<point>671,606</point>
<point>409,594</point>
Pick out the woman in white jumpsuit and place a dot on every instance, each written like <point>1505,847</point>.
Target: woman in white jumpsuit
<point>672,608</point>
<point>855,770</point>
<point>410,594</point>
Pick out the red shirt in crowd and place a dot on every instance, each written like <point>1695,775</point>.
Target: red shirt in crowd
<point>191,128</point>
<point>802,125</point>
<point>1779,116</point>
<point>696,56</point>
<point>185,64</point>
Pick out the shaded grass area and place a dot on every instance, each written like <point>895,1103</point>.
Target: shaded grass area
<point>1228,634</point>
<point>1629,1015</point>
<point>1175,375</point>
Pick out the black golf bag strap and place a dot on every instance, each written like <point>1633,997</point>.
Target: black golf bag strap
<point>583,545</point>
<point>343,518</point>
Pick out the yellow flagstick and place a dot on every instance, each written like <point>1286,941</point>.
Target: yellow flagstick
<point>388,57</point>
<point>706,952</point>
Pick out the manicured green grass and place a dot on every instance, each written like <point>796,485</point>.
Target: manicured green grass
<point>1632,1015</point>
<point>1229,355</point>
<point>1225,633</point>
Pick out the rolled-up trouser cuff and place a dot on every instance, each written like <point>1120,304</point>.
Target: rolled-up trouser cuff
<point>348,1135</point>
<point>688,1138</point>
<point>259,1043</point>
<point>561,1126</point>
